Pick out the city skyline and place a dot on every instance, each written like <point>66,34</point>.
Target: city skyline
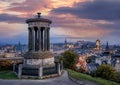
<point>81,19</point>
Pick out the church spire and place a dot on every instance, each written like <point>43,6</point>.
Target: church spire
<point>107,46</point>
<point>65,41</point>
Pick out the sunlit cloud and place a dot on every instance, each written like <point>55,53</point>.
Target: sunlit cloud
<point>86,19</point>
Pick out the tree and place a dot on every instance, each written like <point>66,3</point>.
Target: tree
<point>69,59</point>
<point>117,77</point>
<point>6,65</point>
<point>105,71</point>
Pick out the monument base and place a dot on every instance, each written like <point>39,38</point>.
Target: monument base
<point>38,65</point>
<point>39,58</point>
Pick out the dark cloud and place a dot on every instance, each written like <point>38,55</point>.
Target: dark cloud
<point>97,10</point>
<point>11,18</point>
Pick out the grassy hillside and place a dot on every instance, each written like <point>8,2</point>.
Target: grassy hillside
<point>7,75</point>
<point>80,76</point>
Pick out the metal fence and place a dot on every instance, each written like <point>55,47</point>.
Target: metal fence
<point>16,68</point>
<point>34,70</point>
<point>30,71</point>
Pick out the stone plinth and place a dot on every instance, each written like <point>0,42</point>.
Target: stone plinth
<point>39,58</point>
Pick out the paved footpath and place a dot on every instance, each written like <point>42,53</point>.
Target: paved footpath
<point>62,80</point>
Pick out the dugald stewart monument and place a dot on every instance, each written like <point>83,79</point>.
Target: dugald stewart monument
<point>38,62</point>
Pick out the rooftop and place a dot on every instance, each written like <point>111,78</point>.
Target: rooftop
<point>38,19</point>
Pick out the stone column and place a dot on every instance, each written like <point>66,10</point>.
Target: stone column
<point>48,39</point>
<point>39,39</point>
<point>40,72</point>
<point>19,70</point>
<point>32,39</point>
<point>36,41</point>
<point>14,64</point>
<point>42,39</point>
<point>59,71</point>
<point>45,39</point>
<point>61,64</point>
<point>29,39</point>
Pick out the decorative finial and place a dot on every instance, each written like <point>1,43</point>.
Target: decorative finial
<point>39,14</point>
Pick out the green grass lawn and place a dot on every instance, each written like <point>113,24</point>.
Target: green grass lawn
<point>81,76</point>
<point>7,75</point>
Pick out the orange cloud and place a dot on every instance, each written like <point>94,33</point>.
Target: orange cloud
<point>61,3</point>
<point>33,6</point>
<point>72,26</point>
<point>63,24</point>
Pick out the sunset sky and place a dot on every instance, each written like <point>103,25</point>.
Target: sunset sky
<point>72,19</point>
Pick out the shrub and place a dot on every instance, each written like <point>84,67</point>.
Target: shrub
<point>6,65</point>
<point>106,72</point>
<point>69,59</point>
<point>117,77</point>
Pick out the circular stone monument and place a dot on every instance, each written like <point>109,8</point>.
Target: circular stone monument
<point>38,42</point>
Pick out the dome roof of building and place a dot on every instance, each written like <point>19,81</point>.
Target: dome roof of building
<point>38,55</point>
<point>38,19</point>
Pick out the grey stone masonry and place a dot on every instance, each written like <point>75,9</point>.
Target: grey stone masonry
<point>20,71</point>
<point>48,39</point>
<point>32,39</point>
<point>59,71</point>
<point>40,72</point>
<point>38,39</point>
<point>45,39</point>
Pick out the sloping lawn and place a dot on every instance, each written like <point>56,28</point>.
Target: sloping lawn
<point>81,76</point>
<point>7,75</point>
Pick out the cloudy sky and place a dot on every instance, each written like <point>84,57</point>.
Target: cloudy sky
<point>72,19</point>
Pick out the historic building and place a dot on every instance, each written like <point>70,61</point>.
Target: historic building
<point>98,44</point>
<point>39,42</point>
<point>115,58</point>
<point>104,57</point>
<point>97,49</point>
<point>38,62</point>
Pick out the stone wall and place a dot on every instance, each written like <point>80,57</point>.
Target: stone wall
<point>40,61</point>
<point>38,71</point>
